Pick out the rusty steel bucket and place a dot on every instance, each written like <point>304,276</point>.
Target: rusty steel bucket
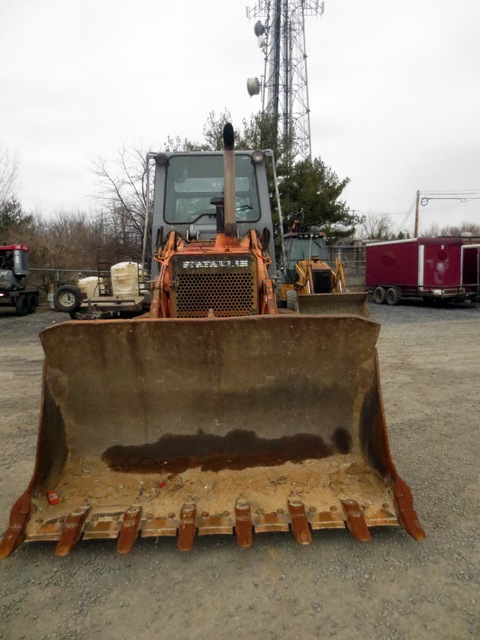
<point>161,427</point>
<point>321,303</point>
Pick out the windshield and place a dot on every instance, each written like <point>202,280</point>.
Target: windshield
<point>306,248</point>
<point>192,181</point>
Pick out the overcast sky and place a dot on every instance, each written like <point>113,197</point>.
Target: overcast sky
<point>394,92</point>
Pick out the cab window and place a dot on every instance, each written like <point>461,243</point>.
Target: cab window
<point>192,182</point>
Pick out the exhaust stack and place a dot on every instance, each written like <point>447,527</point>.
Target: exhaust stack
<point>229,181</point>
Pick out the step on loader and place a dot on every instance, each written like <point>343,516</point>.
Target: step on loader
<point>216,412</point>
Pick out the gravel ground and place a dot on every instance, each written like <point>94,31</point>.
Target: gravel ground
<point>391,587</point>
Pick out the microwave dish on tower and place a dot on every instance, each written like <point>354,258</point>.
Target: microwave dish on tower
<point>284,85</point>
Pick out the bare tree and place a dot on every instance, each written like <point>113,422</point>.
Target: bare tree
<point>70,241</point>
<point>13,220</point>
<point>376,227</point>
<point>213,130</point>
<point>177,144</point>
<point>8,175</point>
<point>123,196</point>
<point>437,231</point>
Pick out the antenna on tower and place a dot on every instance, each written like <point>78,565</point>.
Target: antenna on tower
<point>284,85</point>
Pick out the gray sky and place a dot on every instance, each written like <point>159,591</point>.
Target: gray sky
<point>394,92</point>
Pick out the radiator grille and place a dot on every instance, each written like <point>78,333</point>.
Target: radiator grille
<point>227,290</point>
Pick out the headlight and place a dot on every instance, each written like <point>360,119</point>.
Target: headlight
<point>257,156</point>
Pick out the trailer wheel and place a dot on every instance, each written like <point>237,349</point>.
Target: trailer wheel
<point>32,303</point>
<point>392,296</point>
<point>67,298</point>
<point>379,295</point>
<point>21,305</point>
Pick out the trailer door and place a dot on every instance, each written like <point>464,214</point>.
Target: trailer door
<point>471,267</point>
<point>441,265</point>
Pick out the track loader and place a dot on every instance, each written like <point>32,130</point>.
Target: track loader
<point>215,413</point>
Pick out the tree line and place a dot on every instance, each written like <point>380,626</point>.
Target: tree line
<point>382,227</point>
<point>310,193</point>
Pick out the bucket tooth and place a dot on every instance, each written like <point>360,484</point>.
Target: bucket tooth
<point>186,528</point>
<point>71,531</point>
<point>407,514</point>
<point>243,524</point>
<point>15,534</point>
<point>356,520</point>
<point>129,529</point>
<point>300,527</point>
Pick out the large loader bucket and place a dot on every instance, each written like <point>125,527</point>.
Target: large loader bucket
<point>159,427</point>
<point>356,303</point>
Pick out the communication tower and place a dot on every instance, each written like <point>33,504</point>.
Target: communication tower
<point>284,85</point>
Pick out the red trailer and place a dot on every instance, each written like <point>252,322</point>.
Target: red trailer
<point>430,268</point>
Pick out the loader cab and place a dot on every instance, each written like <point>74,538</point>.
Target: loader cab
<point>303,246</point>
<point>188,187</point>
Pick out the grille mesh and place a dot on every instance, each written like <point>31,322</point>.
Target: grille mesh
<point>224,283</point>
<point>228,292</point>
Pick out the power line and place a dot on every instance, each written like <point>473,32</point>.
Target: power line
<point>461,196</point>
<point>407,215</point>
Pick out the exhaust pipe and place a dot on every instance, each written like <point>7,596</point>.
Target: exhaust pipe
<point>229,181</point>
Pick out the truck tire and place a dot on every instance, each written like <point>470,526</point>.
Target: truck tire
<point>379,295</point>
<point>392,296</point>
<point>32,303</point>
<point>67,298</point>
<point>21,305</point>
<point>292,300</point>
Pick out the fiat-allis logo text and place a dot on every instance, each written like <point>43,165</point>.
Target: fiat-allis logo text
<point>214,264</point>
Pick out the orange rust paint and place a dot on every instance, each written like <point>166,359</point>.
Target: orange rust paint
<point>129,529</point>
<point>243,524</point>
<point>356,520</point>
<point>15,534</point>
<point>407,514</point>
<point>186,529</point>
<point>300,527</point>
<point>71,531</point>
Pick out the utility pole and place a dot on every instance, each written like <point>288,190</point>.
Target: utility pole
<point>417,203</point>
<point>284,85</point>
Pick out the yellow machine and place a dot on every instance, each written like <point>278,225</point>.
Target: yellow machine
<point>311,285</point>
